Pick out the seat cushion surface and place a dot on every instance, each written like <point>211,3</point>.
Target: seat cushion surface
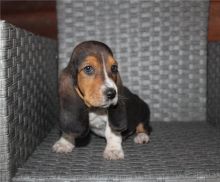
<point>178,151</point>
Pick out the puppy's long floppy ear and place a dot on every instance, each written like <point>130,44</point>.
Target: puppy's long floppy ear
<point>73,112</point>
<point>117,114</point>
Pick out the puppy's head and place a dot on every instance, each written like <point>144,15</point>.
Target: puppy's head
<point>95,74</point>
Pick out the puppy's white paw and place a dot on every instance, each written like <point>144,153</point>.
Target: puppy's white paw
<point>141,138</point>
<point>113,153</point>
<point>63,146</point>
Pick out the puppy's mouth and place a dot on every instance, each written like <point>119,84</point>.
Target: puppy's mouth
<point>98,102</point>
<point>109,102</point>
<point>105,103</point>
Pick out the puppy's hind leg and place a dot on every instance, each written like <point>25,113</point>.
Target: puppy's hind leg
<point>142,135</point>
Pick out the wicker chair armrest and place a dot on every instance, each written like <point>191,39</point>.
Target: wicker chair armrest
<point>28,94</point>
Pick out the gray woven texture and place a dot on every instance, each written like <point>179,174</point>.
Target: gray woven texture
<point>178,151</point>
<point>4,151</point>
<point>213,106</point>
<point>160,45</point>
<point>28,92</point>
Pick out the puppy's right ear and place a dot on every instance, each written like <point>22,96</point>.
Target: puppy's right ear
<point>73,111</point>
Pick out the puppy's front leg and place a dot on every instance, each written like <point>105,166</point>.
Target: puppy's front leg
<point>113,149</point>
<point>65,144</point>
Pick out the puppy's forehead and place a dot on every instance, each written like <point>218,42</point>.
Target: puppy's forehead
<point>91,48</point>
<point>93,59</point>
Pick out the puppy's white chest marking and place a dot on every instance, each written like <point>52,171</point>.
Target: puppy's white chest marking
<point>98,121</point>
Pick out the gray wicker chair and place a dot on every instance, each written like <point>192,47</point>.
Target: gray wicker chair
<point>161,47</point>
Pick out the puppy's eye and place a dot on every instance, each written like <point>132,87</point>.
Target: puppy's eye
<point>114,69</point>
<point>89,70</point>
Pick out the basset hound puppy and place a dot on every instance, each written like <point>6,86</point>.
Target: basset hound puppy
<point>92,97</point>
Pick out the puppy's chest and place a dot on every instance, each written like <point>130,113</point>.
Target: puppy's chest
<point>98,121</point>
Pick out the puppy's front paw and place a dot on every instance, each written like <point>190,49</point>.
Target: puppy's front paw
<point>113,153</point>
<point>141,138</point>
<point>63,146</point>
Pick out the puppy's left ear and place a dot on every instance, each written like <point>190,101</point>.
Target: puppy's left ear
<point>117,114</point>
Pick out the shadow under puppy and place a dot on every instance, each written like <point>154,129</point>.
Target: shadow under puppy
<point>92,97</point>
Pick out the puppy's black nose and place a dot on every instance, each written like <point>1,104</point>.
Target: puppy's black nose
<point>110,93</point>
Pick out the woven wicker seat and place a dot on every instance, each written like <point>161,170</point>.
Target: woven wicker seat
<point>177,152</point>
<point>161,47</point>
